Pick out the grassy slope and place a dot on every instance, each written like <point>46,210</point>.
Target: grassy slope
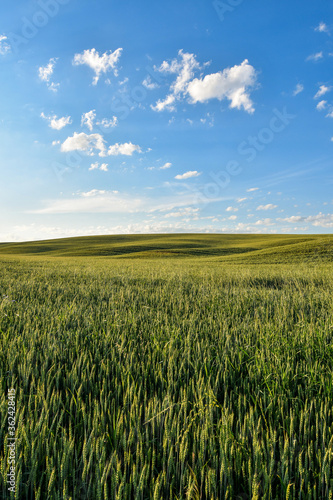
<point>237,248</point>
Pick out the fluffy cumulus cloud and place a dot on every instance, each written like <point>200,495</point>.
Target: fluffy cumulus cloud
<point>323,89</point>
<point>99,63</point>
<point>231,209</point>
<point>251,190</point>
<point>4,45</point>
<point>187,175</point>
<point>57,123</point>
<point>45,73</point>
<point>269,206</point>
<point>319,220</point>
<point>84,142</point>
<point>126,149</point>
<point>92,143</point>
<point>233,84</point>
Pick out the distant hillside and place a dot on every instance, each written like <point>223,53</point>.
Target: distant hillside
<point>226,247</point>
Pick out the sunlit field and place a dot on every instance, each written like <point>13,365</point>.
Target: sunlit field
<point>181,367</point>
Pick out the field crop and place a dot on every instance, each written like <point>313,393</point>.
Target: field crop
<point>170,378</point>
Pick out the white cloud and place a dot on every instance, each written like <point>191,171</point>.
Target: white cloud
<point>330,113</point>
<point>99,64</point>
<point>298,89</point>
<point>108,123</point>
<point>321,105</point>
<point>323,89</point>
<point>4,45</point>
<point>251,190</point>
<point>102,201</point>
<point>149,84</point>
<point>233,84</point>
<point>84,142</point>
<point>184,212</point>
<point>188,175</point>
<point>315,57</point>
<point>232,217</point>
<point>96,166</point>
<point>55,143</point>
<point>45,73</point>
<point>163,167</point>
<point>168,104</point>
<point>266,207</point>
<point>322,28</point>
<point>239,200</point>
<point>88,119</point>
<point>264,222</point>
<point>88,143</point>
<point>126,149</point>
<point>94,201</point>
<point>231,209</point>
<point>184,66</point>
<point>319,220</point>
<point>57,123</point>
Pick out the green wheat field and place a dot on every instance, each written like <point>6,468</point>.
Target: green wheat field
<point>168,367</point>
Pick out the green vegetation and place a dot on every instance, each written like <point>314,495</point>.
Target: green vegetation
<point>247,248</point>
<point>192,372</point>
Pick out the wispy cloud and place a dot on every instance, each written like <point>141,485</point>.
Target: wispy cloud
<point>4,45</point>
<point>45,73</point>
<point>298,89</point>
<point>163,167</point>
<point>57,123</point>
<point>96,166</point>
<point>99,63</point>
<point>321,105</point>
<point>322,28</point>
<point>323,89</point>
<point>269,206</point>
<point>88,119</point>
<point>315,57</point>
<point>187,175</point>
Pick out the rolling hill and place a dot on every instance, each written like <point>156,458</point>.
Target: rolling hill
<point>226,247</point>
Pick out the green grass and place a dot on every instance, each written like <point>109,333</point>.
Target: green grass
<point>205,374</point>
<point>261,248</point>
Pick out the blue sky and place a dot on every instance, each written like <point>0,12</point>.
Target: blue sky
<point>156,117</point>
